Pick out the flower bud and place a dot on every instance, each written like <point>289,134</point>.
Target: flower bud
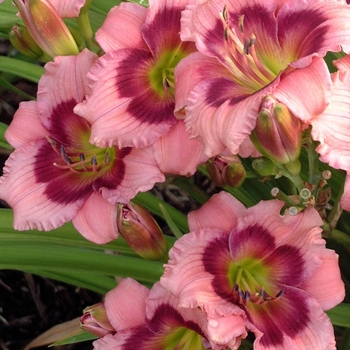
<point>141,231</point>
<point>264,166</point>
<point>22,40</point>
<point>226,170</point>
<point>47,27</point>
<point>95,321</point>
<point>277,134</point>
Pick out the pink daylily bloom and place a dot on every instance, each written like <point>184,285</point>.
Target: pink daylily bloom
<point>266,265</point>
<point>132,99</point>
<point>152,320</point>
<point>250,50</point>
<point>55,175</point>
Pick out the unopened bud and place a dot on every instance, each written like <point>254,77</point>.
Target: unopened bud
<point>277,133</point>
<point>141,231</point>
<point>264,166</point>
<point>47,27</point>
<point>22,40</point>
<point>226,170</point>
<point>95,321</point>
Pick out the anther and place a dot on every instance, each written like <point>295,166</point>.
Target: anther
<point>280,293</point>
<point>65,155</point>
<point>94,163</point>
<point>246,296</point>
<point>225,14</point>
<point>241,23</point>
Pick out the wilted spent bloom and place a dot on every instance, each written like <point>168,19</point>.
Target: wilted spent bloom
<point>277,133</point>
<point>23,41</point>
<point>141,231</point>
<point>95,320</point>
<point>47,27</point>
<point>226,170</point>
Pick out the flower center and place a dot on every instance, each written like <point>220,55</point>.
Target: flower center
<point>161,75</point>
<point>248,70</point>
<point>89,159</point>
<point>249,278</point>
<point>183,338</point>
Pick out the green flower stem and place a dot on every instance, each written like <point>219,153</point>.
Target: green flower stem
<point>85,27</point>
<point>313,159</point>
<point>340,237</point>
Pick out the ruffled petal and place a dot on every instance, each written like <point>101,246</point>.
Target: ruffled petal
<point>26,125</point>
<point>177,154</point>
<point>140,173</point>
<point>68,8</point>
<point>295,321</point>
<point>119,301</point>
<point>126,20</point>
<point>36,203</point>
<point>306,92</point>
<point>326,285</point>
<point>64,80</point>
<point>122,108</point>
<point>222,113</point>
<point>331,127</point>
<point>189,72</point>
<point>321,26</point>
<point>96,220</point>
<point>300,234</point>
<point>162,26</point>
<point>221,211</point>
<point>186,277</point>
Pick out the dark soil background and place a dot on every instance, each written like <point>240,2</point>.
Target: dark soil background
<point>29,304</point>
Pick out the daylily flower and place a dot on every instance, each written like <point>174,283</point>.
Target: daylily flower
<point>151,319</point>
<point>132,99</point>
<point>250,50</point>
<point>46,25</point>
<point>273,267</point>
<point>55,175</point>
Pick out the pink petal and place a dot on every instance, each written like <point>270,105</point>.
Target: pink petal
<point>162,26</point>
<point>126,20</point>
<point>331,127</point>
<point>96,220</point>
<point>186,277</point>
<point>189,72</point>
<point>223,113</point>
<point>295,321</point>
<point>21,190</point>
<point>332,292</point>
<point>64,80</point>
<point>343,63</point>
<point>302,232</point>
<point>294,90</point>
<point>68,8</point>
<point>140,174</point>
<point>177,154</point>
<point>322,26</point>
<point>128,295</point>
<point>122,108</point>
<point>221,211</point>
<point>25,126</point>
<point>227,331</point>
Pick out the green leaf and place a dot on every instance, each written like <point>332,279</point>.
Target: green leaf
<point>3,142</point>
<point>26,70</point>
<point>339,315</point>
<point>85,336</point>
<point>6,84</point>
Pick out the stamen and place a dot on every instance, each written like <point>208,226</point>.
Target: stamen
<point>94,163</point>
<point>65,156</point>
